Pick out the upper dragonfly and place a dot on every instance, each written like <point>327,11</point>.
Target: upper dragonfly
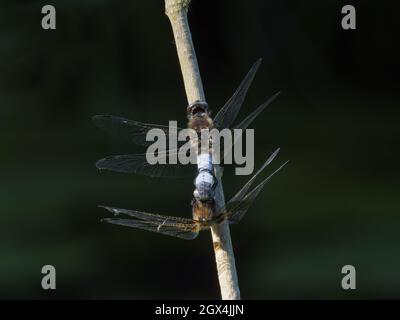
<point>198,118</point>
<point>189,229</point>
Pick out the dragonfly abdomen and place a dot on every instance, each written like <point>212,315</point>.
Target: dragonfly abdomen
<point>204,186</point>
<point>205,180</point>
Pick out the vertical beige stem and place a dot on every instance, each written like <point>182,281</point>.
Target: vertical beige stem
<point>176,10</point>
<point>223,249</point>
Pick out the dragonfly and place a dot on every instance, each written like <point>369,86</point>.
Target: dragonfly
<point>188,229</point>
<point>198,115</point>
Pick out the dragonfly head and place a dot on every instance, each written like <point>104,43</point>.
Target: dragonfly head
<point>202,210</point>
<point>198,108</point>
<point>198,115</point>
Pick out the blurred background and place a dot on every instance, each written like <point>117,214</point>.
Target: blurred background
<point>336,203</point>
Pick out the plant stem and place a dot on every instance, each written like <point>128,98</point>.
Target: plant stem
<point>176,10</point>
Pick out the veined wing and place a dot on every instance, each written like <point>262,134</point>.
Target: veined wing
<point>148,216</point>
<point>179,230</point>
<point>228,113</point>
<point>133,130</point>
<point>243,191</point>
<point>249,119</point>
<point>173,226</point>
<point>245,123</point>
<point>236,207</point>
<point>138,164</point>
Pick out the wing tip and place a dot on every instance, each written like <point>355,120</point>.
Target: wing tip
<point>277,93</point>
<point>256,66</point>
<point>272,98</point>
<point>113,210</point>
<point>285,163</point>
<point>100,164</point>
<point>273,155</point>
<point>98,117</point>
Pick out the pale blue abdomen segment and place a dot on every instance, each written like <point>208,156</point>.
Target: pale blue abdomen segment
<point>204,162</point>
<point>204,186</point>
<point>204,181</point>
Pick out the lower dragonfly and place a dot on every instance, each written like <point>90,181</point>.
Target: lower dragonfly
<point>203,217</point>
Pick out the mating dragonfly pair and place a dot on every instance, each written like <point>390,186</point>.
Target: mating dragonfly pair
<point>204,210</point>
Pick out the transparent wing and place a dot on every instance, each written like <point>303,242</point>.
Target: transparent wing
<point>132,130</point>
<point>148,216</point>
<point>235,209</point>
<point>242,192</point>
<point>249,119</point>
<point>179,230</point>
<point>244,125</point>
<point>138,164</point>
<point>228,113</point>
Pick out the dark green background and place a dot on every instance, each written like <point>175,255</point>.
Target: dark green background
<point>336,203</point>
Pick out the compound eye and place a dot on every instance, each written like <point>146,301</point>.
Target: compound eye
<point>197,110</point>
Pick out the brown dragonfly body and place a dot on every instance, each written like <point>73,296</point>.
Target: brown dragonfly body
<point>204,213</point>
<point>203,219</point>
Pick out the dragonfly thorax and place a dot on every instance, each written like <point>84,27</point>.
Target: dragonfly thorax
<point>199,122</point>
<point>198,115</point>
<point>203,210</point>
